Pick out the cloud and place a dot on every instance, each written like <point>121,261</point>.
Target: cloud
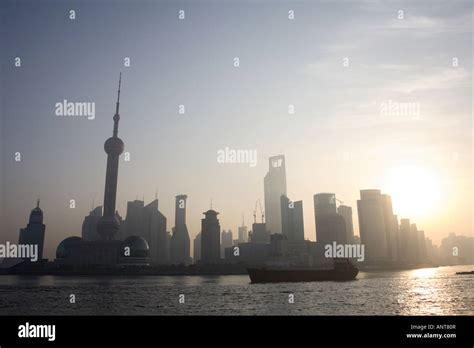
<point>429,25</point>
<point>435,79</point>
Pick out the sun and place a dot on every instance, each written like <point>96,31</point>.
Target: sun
<point>415,191</point>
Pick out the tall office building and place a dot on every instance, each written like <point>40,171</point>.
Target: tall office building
<point>197,248</point>
<point>371,209</point>
<point>242,232</point>
<point>292,221</point>
<point>346,213</point>
<point>274,187</point>
<point>395,234</point>
<point>404,254</point>
<point>108,225</point>
<point>134,220</point>
<point>330,226</point>
<point>33,233</point>
<point>89,225</point>
<point>414,249</point>
<point>154,231</point>
<point>390,231</point>
<point>226,241</point>
<point>180,243</point>
<point>259,233</point>
<point>210,237</point>
<point>422,251</point>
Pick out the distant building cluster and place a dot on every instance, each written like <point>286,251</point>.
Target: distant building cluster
<point>143,238</point>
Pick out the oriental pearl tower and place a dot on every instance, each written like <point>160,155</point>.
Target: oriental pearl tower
<point>108,225</point>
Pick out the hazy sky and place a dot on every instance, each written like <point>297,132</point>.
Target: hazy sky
<point>338,140</point>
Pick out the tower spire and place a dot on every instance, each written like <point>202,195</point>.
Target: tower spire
<point>108,225</point>
<point>117,106</point>
<point>38,203</point>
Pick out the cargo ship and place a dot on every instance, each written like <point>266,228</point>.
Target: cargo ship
<point>343,270</point>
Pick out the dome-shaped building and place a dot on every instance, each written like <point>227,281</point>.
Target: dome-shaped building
<point>135,250</point>
<point>63,249</point>
<point>138,246</point>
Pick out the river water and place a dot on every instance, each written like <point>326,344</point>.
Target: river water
<point>429,291</point>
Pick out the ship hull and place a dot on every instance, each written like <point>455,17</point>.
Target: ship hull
<point>301,275</point>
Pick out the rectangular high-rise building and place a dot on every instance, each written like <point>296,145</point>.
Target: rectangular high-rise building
<point>89,225</point>
<point>180,242</point>
<point>330,226</point>
<point>422,254</point>
<point>226,241</point>
<point>134,220</point>
<point>154,228</point>
<point>346,212</point>
<point>259,233</point>
<point>274,187</point>
<point>197,248</point>
<point>371,209</point>
<point>414,243</point>
<point>292,222</point>
<point>34,232</point>
<point>404,254</point>
<point>210,238</point>
<point>243,234</point>
<point>395,234</point>
<point>390,232</point>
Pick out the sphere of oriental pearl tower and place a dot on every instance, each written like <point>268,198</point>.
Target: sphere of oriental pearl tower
<point>108,225</point>
<point>114,146</point>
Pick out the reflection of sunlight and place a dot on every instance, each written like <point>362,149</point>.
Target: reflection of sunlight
<point>423,272</point>
<point>426,293</point>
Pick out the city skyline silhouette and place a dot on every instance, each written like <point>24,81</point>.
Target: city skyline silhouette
<point>338,139</point>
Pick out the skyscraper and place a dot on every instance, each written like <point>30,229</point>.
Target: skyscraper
<point>395,238</point>
<point>404,254</point>
<point>372,228</point>
<point>154,231</point>
<point>346,212</point>
<point>390,231</point>
<point>259,233</point>
<point>325,203</point>
<point>226,241</point>
<point>33,233</point>
<point>197,248</point>
<point>422,254</point>
<point>180,243</point>
<point>292,221</point>
<point>330,226</point>
<point>89,225</point>
<point>414,243</point>
<point>108,225</point>
<point>134,220</point>
<point>242,232</point>
<point>210,237</point>
<point>274,187</point>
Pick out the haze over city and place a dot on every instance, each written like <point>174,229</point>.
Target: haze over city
<point>339,139</point>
